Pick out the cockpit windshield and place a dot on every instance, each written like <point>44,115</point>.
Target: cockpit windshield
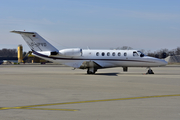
<point>140,53</point>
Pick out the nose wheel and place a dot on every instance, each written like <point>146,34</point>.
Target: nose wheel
<point>150,71</point>
<point>91,71</point>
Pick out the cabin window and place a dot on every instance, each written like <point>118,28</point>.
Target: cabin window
<point>97,54</point>
<point>113,54</point>
<point>125,54</point>
<point>141,54</point>
<point>108,54</point>
<point>103,53</point>
<point>119,54</point>
<point>135,53</point>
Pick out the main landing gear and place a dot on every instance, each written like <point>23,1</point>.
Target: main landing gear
<point>91,71</point>
<point>150,71</point>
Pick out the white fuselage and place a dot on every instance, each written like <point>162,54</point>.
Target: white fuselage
<point>105,58</point>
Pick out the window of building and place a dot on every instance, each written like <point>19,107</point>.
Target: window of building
<point>97,54</point>
<point>108,54</point>
<point>119,54</point>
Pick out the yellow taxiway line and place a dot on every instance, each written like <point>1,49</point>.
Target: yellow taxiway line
<point>31,107</point>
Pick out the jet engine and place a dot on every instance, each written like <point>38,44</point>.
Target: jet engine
<point>74,52</point>
<point>48,53</point>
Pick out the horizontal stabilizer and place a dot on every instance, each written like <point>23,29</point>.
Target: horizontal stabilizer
<point>20,32</point>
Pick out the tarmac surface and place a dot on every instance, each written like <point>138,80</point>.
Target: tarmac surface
<point>55,92</point>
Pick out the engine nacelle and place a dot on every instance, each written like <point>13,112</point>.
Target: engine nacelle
<point>74,52</point>
<point>48,53</point>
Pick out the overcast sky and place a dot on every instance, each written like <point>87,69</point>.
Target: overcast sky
<point>140,24</point>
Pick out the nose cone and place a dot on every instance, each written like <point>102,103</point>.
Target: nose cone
<point>161,62</point>
<point>156,62</point>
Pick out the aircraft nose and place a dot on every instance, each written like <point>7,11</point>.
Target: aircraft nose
<point>162,62</point>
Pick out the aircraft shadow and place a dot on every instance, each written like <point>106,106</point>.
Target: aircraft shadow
<point>117,74</point>
<point>108,74</point>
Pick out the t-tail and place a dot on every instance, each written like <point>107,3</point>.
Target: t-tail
<point>36,42</point>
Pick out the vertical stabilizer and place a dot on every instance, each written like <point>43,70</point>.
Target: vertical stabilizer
<point>36,42</point>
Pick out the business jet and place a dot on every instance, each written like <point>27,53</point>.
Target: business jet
<point>92,60</point>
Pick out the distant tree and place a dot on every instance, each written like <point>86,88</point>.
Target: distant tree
<point>8,52</point>
<point>122,48</point>
<point>150,54</point>
<point>126,48</point>
<point>177,51</point>
<point>163,53</point>
<point>143,51</point>
<point>171,52</point>
<point>156,56</point>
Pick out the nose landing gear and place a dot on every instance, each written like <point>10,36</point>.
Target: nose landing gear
<point>150,71</point>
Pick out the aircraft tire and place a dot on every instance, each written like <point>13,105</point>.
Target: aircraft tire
<point>90,72</point>
<point>150,72</point>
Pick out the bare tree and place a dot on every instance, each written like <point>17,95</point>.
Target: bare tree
<point>177,51</point>
<point>126,48</point>
<point>8,52</point>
